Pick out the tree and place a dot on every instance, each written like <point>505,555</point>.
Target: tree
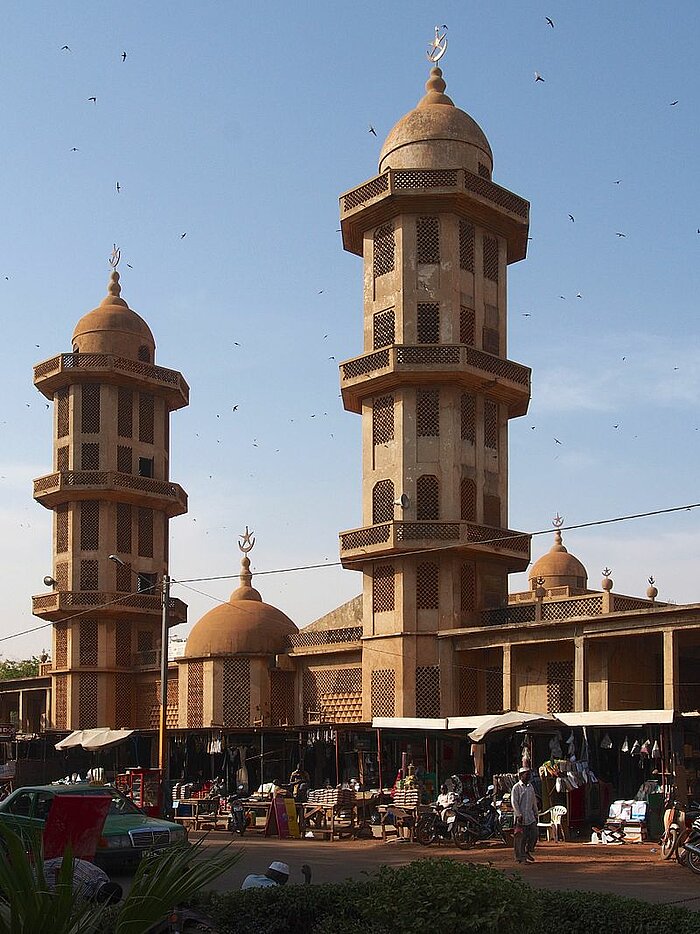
<point>27,668</point>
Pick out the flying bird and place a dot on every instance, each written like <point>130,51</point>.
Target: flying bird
<point>123,56</point>
<point>557,441</point>
<point>119,187</point>
<point>372,130</point>
<point>618,234</point>
<point>550,22</point>
<point>235,408</point>
<point>75,149</point>
<point>526,314</point>
<point>538,76</point>
<point>183,235</point>
<point>93,99</point>
<point>572,218</point>
<point>673,103</point>
<point>617,181</point>
<point>66,48</point>
<point>578,295</point>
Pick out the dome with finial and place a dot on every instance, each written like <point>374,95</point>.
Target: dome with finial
<point>436,134</point>
<point>245,625</point>
<point>558,568</point>
<point>114,328</point>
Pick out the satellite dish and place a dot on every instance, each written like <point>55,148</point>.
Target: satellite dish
<point>402,501</point>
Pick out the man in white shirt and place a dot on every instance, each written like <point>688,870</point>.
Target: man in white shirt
<point>524,804</point>
<point>276,874</point>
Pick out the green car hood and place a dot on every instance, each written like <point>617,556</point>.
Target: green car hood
<point>123,823</point>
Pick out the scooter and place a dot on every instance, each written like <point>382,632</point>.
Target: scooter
<point>453,823</point>
<point>691,847</point>
<point>237,821</point>
<point>487,817</point>
<point>677,823</point>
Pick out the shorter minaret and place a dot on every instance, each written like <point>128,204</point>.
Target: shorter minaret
<point>112,499</point>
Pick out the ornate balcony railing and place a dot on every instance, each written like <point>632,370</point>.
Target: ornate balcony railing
<point>377,540</point>
<point>325,637</point>
<point>68,367</point>
<point>509,382</point>
<point>64,485</point>
<point>61,603</point>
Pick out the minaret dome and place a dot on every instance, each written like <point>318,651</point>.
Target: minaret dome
<point>114,328</point>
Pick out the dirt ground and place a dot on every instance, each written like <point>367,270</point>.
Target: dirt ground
<point>634,870</point>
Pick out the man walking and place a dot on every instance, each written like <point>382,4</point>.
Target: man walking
<point>525,809</point>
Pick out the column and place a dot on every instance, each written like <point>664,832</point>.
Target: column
<point>579,674</point>
<point>670,670</point>
<point>507,681</point>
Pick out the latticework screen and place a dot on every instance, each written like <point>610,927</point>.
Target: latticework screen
<point>124,578</point>
<point>60,683</point>
<point>467,499</point>
<point>428,691</point>
<point>88,642</point>
<point>63,458</point>
<point>560,687</point>
<point>466,246</point>
<point>468,692</point>
<point>335,692</point>
<point>490,424</point>
<point>144,354</point>
<point>122,702</point>
<point>428,240</point>
<point>384,329</point>
<point>90,456</point>
<point>90,408</point>
<point>383,420</point>
<point>87,700</point>
<point>428,323</point>
<point>89,574</point>
<point>61,576</point>
<point>491,258</point>
<point>383,501</point>
<point>492,510</point>
<point>172,702</point>
<point>467,587</point>
<point>124,459</point>
<point>89,525</point>
<point>468,417</point>
<point>147,706</point>
<point>383,261</point>
<point>281,697</point>
<point>484,170</point>
<point>124,527</point>
<point>145,528</point>
<point>195,694</point>
<point>490,341</point>
<point>62,400</point>
<point>236,692</point>
<point>61,652</point>
<point>383,588</point>
<point>384,692</point>
<point>146,417</point>
<point>144,640</point>
<point>494,690</point>
<point>427,586</point>
<point>428,413</point>
<point>467,325</point>
<point>427,497</point>
<point>61,513</point>
<point>122,644</point>
<point>125,413</point>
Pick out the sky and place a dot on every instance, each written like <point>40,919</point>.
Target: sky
<point>238,126</point>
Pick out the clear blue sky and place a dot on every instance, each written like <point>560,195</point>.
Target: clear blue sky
<point>239,125</point>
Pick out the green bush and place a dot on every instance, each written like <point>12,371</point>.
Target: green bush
<point>440,896</point>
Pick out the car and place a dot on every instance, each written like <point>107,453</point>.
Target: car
<point>127,834</point>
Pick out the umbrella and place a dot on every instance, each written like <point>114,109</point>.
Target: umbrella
<point>514,719</point>
<point>94,739</point>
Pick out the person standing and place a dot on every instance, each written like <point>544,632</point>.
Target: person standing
<point>524,804</point>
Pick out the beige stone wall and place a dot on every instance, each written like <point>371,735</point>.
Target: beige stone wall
<point>529,672</point>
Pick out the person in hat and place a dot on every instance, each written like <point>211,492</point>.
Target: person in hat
<point>524,804</point>
<point>276,874</point>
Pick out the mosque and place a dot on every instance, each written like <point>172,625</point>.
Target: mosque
<point>434,641</point>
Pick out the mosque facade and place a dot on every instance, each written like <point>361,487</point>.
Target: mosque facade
<point>434,632</point>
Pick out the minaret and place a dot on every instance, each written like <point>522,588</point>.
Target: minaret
<point>435,390</point>
<point>112,499</point>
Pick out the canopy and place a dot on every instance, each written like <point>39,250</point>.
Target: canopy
<point>617,717</point>
<point>409,723</point>
<point>94,739</point>
<point>514,719</point>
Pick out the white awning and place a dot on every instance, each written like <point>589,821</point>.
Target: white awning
<point>515,720</point>
<point>409,723</point>
<point>616,717</point>
<point>467,723</point>
<point>94,739</point>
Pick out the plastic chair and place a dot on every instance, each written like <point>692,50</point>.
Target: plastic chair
<point>554,825</point>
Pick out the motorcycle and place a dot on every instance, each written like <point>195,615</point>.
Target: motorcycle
<point>237,822</point>
<point>488,819</point>
<point>677,822</point>
<point>691,848</point>
<point>453,823</point>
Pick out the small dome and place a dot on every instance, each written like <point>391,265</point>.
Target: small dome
<point>558,568</point>
<point>436,134</point>
<point>243,626</point>
<point>113,327</point>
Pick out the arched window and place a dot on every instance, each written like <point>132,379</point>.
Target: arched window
<point>427,497</point>
<point>467,496</point>
<point>383,502</point>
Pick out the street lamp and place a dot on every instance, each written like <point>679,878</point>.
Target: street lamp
<point>163,759</point>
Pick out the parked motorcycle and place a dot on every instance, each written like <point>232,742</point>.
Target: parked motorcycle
<point>237,822</point>
<point>453,823</point>
<point>677,825</point>
<point>487,817</point>
<point>691,848</point>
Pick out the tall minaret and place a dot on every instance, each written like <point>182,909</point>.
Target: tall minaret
<point>435,390</point>
<point>111,495</point>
